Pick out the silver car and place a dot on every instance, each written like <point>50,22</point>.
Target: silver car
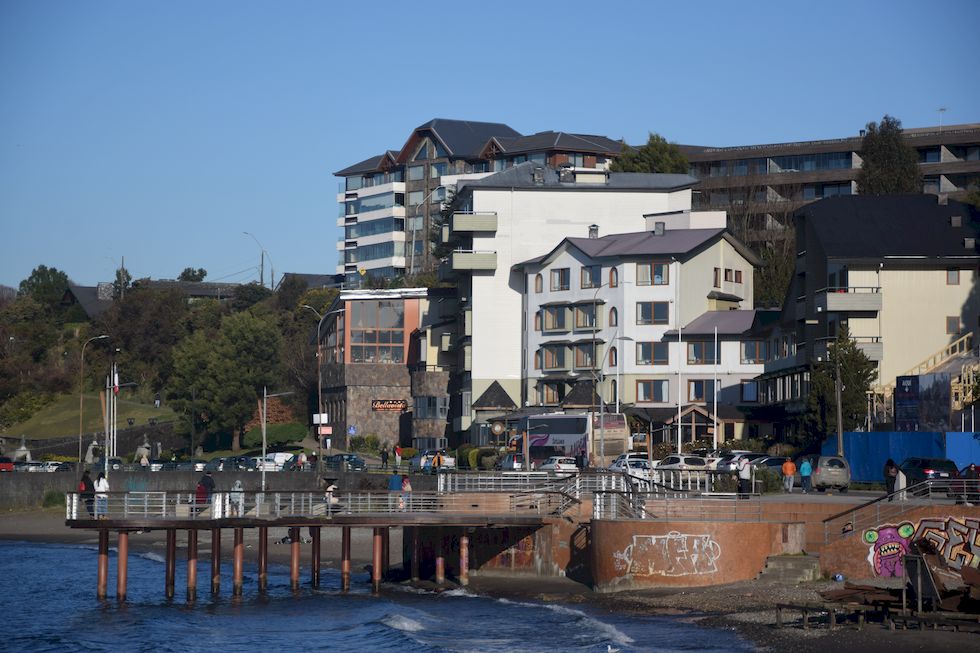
<point>829,472</point>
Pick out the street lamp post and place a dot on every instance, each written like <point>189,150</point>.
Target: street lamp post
<point>597,374</point>
<point>81,396</point>
<point>319,391</point>
<point>264,255</point>
<point>411,267</point>
<point>265,413</point>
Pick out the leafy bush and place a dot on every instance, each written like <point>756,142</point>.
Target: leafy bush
<point>463,456</point>
<point>488,458</point>
<point>276,434</point>
<point>771,481</point>
<point>409,452</point>
<point>22,406</point>
<point>53,498</point>
<point>473,458</point>
<point>366,444</point>
<point>726,483</point>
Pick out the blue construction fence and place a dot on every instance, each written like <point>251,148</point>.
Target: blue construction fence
<point>867,452</point>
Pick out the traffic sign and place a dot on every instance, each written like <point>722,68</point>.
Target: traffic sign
<point>325,430</point>
<point>351,430</point>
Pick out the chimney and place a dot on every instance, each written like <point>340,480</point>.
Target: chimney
<point>658,228</point>
<point>956,220</point>
<point>593,231</point>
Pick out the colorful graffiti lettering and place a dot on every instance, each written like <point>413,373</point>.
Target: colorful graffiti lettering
<point>673,554</point>
<point>956,540</point>
<point>888,546</point>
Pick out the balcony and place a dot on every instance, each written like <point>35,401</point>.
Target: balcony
<point>464,222</point>
<point>464,260</point>
<point>467,363</point>
<point>468,322</point>
<point>445,341</point>
<point>872,346</point>
<point>851,298</point>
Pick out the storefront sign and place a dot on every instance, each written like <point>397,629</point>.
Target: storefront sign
<point>389,404</point>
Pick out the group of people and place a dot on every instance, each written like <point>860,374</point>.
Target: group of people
<point>386,455</point>
<point>400,489</point>
<point>96,493</point>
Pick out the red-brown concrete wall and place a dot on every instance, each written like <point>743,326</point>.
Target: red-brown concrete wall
<point>877,550</point>
<point>640,554</point>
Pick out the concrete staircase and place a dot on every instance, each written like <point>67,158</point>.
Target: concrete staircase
<point>791,568</point>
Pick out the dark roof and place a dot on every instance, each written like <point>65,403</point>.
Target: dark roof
<point>462,139</point>
<point>495,397</point>
<point>88,298</point>
<point>673,242</point>
<point>314,280</point>
<point>582,395</point>
<point>367,165</point>
<point>561,141</point>
<point>522,176</point>
<point>728,323</point>
<point>891,226</point>
<point>207,289</point>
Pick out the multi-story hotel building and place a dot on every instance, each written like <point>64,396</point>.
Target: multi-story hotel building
<point>389,201</point>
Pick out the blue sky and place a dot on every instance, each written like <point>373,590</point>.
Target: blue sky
<point>160,131</point>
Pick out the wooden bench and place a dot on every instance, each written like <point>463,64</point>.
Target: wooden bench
<point>957,621</point>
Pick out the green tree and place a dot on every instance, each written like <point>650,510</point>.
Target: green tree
<point>656,156</point>
<point>856,373</point>
<point>889,164</point>
<point>191,274</point>
<point>122,283</point>
<point>248,295</point>
<point>45,285</point>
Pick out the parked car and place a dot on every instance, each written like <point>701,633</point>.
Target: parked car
<point>114,464</point>
<point>48,466</point>
<point>157,464</point>
<point>350,462</point>
<point>65,467</point>
<point>559,464</point>
<point>423,462</point>
<point>628,456</point>
<point>918,469</point>
<point>239,464</point>
<point>729,462</point>
<point>639,467</point>
<point>6,464</point>
<point>26,466</point>
<point>511,462</point>
<point>828,472</point>
<point>191,466</point>
<point>682,462</point>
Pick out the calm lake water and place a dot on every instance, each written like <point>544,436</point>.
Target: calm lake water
<point>48,604</point>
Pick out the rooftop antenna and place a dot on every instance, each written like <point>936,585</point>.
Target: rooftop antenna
<point>941,111</point>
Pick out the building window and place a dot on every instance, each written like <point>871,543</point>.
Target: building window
<point>613,277</point>
<point>753,351</point>
<point>537,320</point>
<point>438,169</point>
<point>700,390</point>
<point>415,173</point>
<point>652,353</point>
<point>738,276</point>
<point>560,279</point>
<point>554,357</point>
<point>613,357</point>
<point>953,324</point>
<point>703,353</point>
<point>652,312</point>
<point>729,275</point>
<point>537,360</point>
<point>585,355</point>
<point>717,278</point>
<point>656,274</point>
<point>549,393</point>
<point>613,317</point>
<point>585,316</point>
<point>591,276</point>
<point>952,277</point>
<point>652,391</point>
<point>538,283</point>
<point>377,332</point>
<point>554,318</point>
<point>750,391</point>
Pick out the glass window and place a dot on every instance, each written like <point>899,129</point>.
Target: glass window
<point>729,275</point>
<point>591,276</point>
<point>717,278</point>
<point>952,277</point>
<point>613,317</point>
<point>613,356</point>
<point>652,391</point>
<point>377,331</point>
<point>416,173</point>
<point>560,279</point>
<point>554,357</point>
<point>538,283</point>
<point>738,276</point>
<point>537,321</point>
<point>440,151</point>
<point>554,318</point>
<point>753,351</point>
<point>644,274</point>
<point>423,152</point>
<point>953,324</point>
<point>750,391</point>
<point>438,169</point>
<point>415,198</point>
<point>652,312</point>
<point>585,355</point>
<point>656,274</point>
<point>537,360</point>
<point>613,277</point>
<point>700,390</point>
<point>703,353</point>
<point>585,316</point>
<point>652,353</point>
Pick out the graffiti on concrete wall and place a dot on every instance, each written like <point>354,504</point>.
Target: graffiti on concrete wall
<point>673,554</point>
<point>956,540</point>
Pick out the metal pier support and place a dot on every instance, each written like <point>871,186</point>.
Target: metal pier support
<point>122,566</point>
<point>238,560</point>
<point>103,581</point>
<point>263,558</point>
<point>376,562</point>
<point>345,558</point>
<point>215,560</point>
<point>171,562</point>
<point>192,565</point>
<point>315,556</point>
<point>294,558</point>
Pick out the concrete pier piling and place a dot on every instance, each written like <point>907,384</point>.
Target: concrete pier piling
<point>376,561</point>
<point>345,559</point>
<point>464,560</point>
<point>263,558</point>
<point>238,562</point>
<point>294,540</point>
<point>171,563</point>
<point>191,565</point>
<point>215,560</point>
<point>122,566</point>
<point>440,559</point>
<point>103,581</point>
<point>315,556</point>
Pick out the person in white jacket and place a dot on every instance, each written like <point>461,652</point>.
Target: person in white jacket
<point>101,496</point>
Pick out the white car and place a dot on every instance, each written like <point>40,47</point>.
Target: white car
<point>48,466</point>
<point>682,463</point>
<point>559,464</point>
<point>639,467</point>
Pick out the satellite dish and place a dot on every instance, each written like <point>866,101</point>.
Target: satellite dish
<point>497,428</point>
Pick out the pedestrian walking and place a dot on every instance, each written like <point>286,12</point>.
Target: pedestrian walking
<point>890,473</point>
<point>806,478</point>
<point>406,501</point>
<point>101,496</point>
<point>398,456</point>
<point>789,471</point>
<point>384,458</point>
<point>301,461</point>
<point>436,462</point>
<point>744,476</point>
<point>394,488</point>
<point>87,490</point>
<point>238,498</point>
<point>207,482</point>
<point>156,400</point>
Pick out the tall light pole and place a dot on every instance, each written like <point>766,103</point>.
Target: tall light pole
<point>597,372</point>
<point>81,396</point>
<point>680,353</point>
<point>319,390</point>
<point>411,267</point>
<point>264,255</point>
<point>265,413</point>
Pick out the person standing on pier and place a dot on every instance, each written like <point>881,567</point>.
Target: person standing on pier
<point>87,490</point>
<point>101,496</point>
<point>806,472</point>
<point>384,457</point>
<point>744,476</point>
<point>406,501</point>
<point>394,489</point>
<point>789,471</point>
<point>398,456</point>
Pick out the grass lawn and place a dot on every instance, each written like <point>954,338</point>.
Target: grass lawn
<point>60,418</point>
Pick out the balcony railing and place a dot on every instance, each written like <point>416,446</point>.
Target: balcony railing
<point>467,221</point>
<point>850,298</point>
<point>474,260</point>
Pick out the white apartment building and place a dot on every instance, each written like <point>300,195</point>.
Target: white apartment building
<point>511,217</point>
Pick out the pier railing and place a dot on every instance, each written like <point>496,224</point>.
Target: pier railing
<point>576,484</point>
<point>890,507</point>
<point>306,504</point>
<point>657,506</point>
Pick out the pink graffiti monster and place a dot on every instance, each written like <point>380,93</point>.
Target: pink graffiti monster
<point>888,546</point>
